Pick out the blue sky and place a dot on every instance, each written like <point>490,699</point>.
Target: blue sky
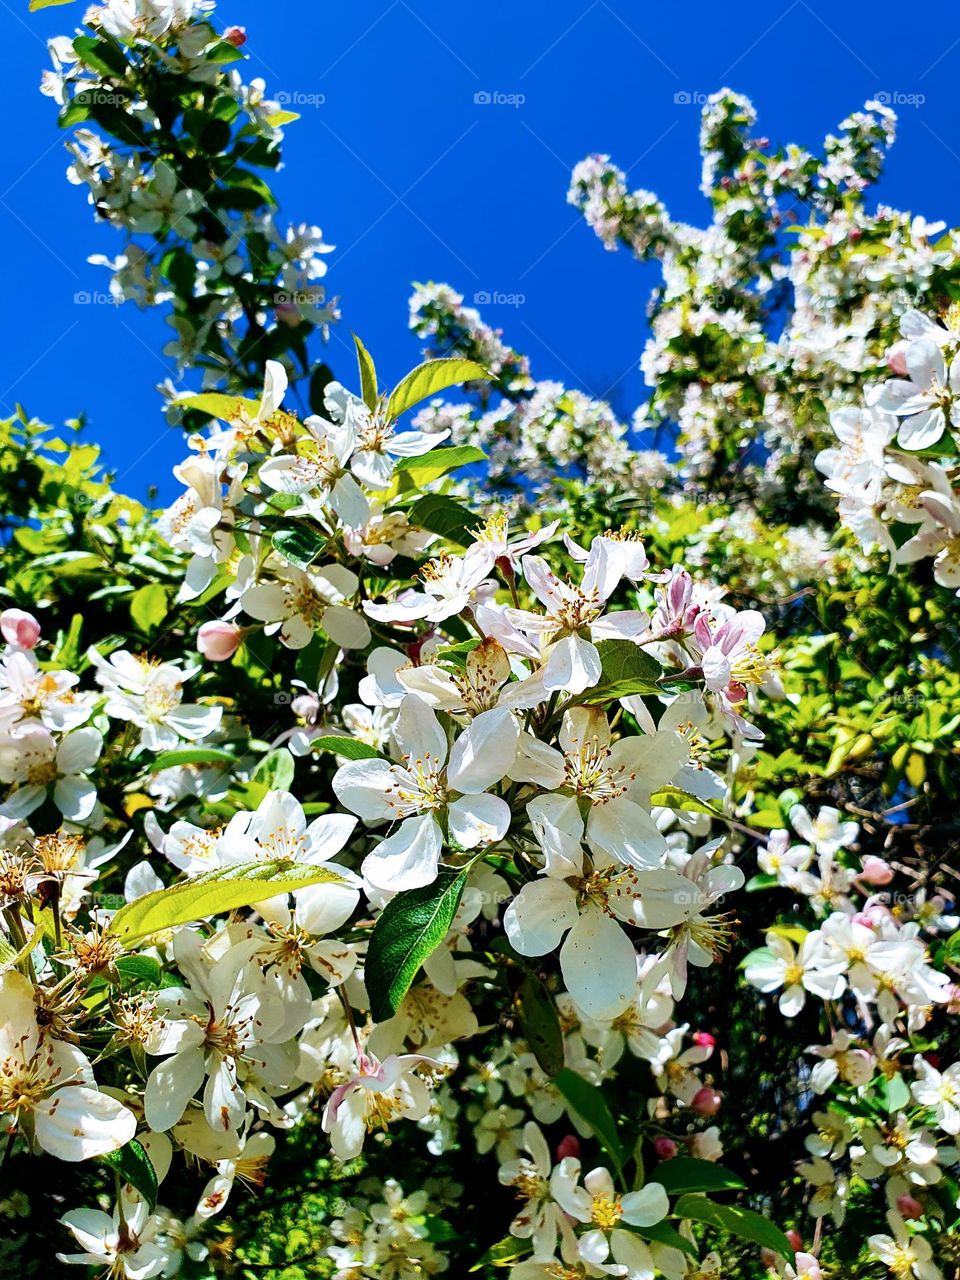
<point>412,179</point>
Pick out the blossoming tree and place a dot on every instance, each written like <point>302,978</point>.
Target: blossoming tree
<point>464,871</point>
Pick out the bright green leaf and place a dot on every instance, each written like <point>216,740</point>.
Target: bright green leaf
<point>429,378</point>
<point>148,607</point>
<point>421,471</point>
<point>368,374</point>
<point>443,515</point>
<point>349,748</point>
<point>213,893</point>
<point>276,770</point>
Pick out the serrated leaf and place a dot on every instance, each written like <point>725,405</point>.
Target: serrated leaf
<point>410,928</point>
<point>148,607</point>
<point>443,515</point>
<point>133,1165</point>
<point>300,547</point>
<point>591,1106</point>
<point>368,374</point>
<point>626,669</point>
<point>677,798</point>
<point>213,893</point>
<point>739,1222</point>
<point>421,471</point>
<point>349,748</point>
<point>429,378</point>
<point>685,1173</point>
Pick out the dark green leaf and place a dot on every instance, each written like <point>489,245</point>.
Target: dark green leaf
<point>626,669</point>
<point>299,547</point>
<point>134,1166</point>
<point>440,514</point>
<point>591,1106</point>
<point>537,1014</point>
<point>411,926</point>
<point>684,1173</point>
<point>739,1222</point>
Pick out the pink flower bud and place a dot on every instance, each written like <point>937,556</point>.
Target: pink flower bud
<point>704,1039</point>
<point>665,1148</point>
<point>876,871</point>
<point>20,628</point>
<point>908,1207</point>
<point>795,1238</point>
<point>706,1101</point>
<point>897,358</point>
<point>219,641</point>
<point>235,36</point>
<point>568,1146</point>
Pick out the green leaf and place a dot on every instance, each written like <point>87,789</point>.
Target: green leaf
<point>349,748</point>
<point>46,4</point>
<point>739,1222</point>
<point>368,375</point>
<point>504,1253</point>
<point>100,56</point>
<point>148,607</point>
<point>218,405</point>
<point>212,893</point>
<point>663,1233</point>
<point>190,755</point>
<point>441,514</point>
<point>410,928</point>
<point>134,1166</point>
<point>677,798</point>
<point>761,881</point>
<point>895,1093</point>
<point>429,378</point>
<point>684,1173</point>
<point>431,466</point>
<point>591,1106</point>
<point>299,547</point>
<point>276,770</point>
<point>626,669</point>
<point>536,1012</point>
